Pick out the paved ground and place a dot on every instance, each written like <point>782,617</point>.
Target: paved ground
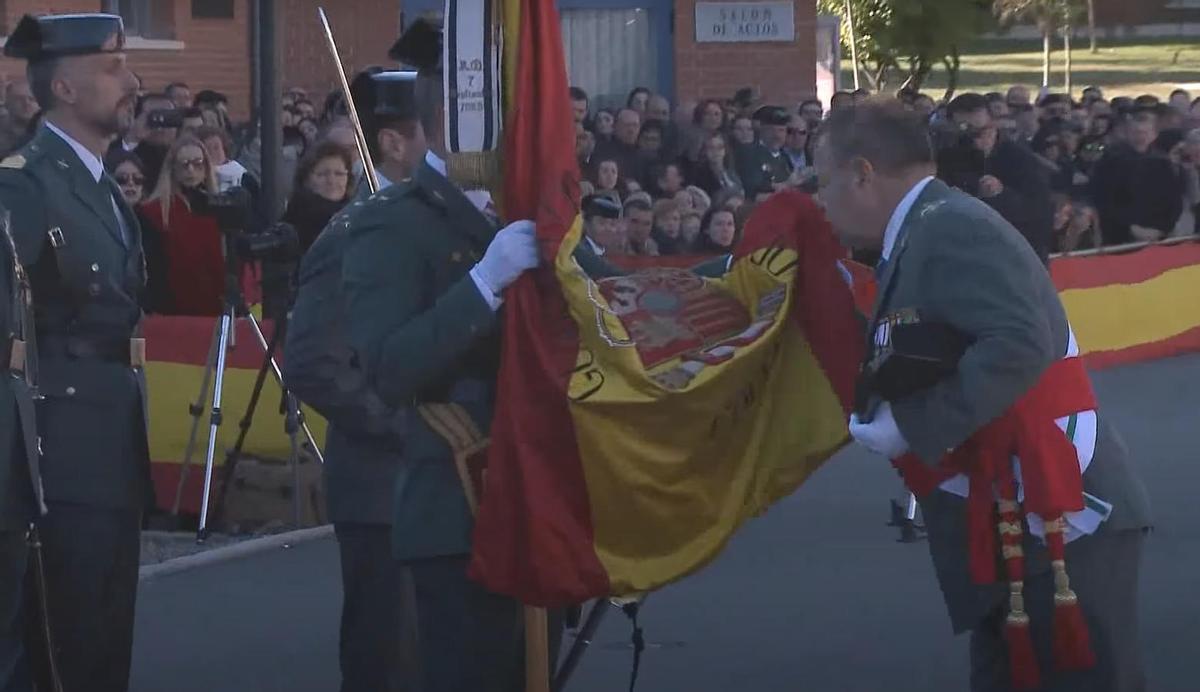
<point>814,596</point>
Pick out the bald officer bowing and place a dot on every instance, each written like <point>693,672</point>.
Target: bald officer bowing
<point>974,388</point>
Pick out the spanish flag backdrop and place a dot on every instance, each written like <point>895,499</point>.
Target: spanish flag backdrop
<point>642,418</point>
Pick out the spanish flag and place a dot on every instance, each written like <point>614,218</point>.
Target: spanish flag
<point>642,418</point>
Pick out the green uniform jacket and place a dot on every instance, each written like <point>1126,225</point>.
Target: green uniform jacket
<point>87,278</point>
<point>760,169</point>
<point>423,333</point>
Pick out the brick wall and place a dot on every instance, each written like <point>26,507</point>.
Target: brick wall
<point>784,73</point>
<point>214,53</point>
<point>364,29</point>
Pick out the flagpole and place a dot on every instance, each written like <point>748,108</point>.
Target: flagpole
<point>360,137</point>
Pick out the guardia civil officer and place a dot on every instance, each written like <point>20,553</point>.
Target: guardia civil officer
<point>366,435</point>
<point>82,247</point>
<point>424,274</point>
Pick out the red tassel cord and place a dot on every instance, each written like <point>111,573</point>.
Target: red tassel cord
<point>1022,661</point>
<point>1072,644</point>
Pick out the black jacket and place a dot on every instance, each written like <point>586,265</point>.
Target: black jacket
<point>1025,201</point>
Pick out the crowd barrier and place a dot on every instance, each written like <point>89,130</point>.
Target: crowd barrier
<point>1134,302</point>
<point>1126,304</point>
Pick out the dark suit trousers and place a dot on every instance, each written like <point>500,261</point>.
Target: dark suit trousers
<point>377,640</point>
<point>91,574</point>
<point>14,554</point>
<point>470,640</point>
<point>1104,574</point>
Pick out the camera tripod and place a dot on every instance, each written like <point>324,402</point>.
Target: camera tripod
<point>234,308</point>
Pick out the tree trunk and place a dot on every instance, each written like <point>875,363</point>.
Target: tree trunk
<point>952,63</point>
<point>853,42</point>
<point>1091,9</point>
<point>1046,48</point>
<point>1067,49</point>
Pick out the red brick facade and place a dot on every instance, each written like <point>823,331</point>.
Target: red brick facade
<point>215,53</point>
<point>784,73</point>
<point>364,29</point>
<point>204,53</point>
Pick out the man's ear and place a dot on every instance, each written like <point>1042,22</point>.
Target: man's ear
<point>64,91</point>
<point>864,171</point>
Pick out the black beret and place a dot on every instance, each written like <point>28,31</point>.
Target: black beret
<point>59,35</point>
<point>601,205</point>
<point>420,47</point>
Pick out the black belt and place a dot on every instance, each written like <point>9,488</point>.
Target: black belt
<point>91,348</point>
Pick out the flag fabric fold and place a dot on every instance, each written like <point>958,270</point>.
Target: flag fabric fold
<point>642,418</point>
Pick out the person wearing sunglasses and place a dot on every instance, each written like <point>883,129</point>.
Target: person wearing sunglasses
<point>130,173</point>
<point>184,258</point>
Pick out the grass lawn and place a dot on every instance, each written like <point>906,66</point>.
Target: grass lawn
<point>1122,68</point>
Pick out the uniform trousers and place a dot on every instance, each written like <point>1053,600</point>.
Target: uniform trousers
<point>14,557</point>
<point>91,577</point>
<point>378,630</point>
<point>1103,569</point>
<point>471,640</point>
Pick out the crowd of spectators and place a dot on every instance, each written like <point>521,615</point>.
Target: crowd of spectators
<point>1069,174</point>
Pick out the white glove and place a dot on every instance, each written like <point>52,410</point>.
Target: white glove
<point>513,250</point>
<point>881,435</point>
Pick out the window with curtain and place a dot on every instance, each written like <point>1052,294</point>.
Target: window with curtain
<point>609,52</point>
<point>144,18</point>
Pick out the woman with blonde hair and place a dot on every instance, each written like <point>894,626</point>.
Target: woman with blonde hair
<point>184,251</point>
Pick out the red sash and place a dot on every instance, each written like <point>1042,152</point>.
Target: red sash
<point>1053,485</point>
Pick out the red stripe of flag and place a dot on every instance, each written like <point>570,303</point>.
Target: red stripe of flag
<point>533,536</point>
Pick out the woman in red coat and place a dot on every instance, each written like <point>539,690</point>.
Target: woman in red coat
<point>184,250</point>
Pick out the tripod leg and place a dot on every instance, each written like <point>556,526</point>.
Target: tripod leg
<point>214,421</point>
<point>235,452</point>
<point>292,405</point>
<point>195,410</point>
<point>262,340</point>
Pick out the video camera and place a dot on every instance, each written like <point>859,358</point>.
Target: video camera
<point>164,119</point>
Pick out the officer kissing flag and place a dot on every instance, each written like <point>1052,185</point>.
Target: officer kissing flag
<point>641,418</point>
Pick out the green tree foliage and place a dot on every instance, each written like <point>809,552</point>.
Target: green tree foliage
<point>899,42</point>
<point>1048,15</point>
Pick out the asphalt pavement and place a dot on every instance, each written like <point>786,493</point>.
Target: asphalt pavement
<point>816,595</point>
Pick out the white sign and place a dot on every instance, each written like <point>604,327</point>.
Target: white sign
<point>745,22</point>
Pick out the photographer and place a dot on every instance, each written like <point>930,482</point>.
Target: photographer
<point>185,262</point>
<point>1004,174</point>
<point>156,127</point>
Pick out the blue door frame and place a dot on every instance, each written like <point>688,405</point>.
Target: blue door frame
<point>662,25</point>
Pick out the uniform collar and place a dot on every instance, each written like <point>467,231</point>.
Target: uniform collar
<point>435,162</point>
<point>892,232</point>
<point>86,157</point>
<point>384,182</point>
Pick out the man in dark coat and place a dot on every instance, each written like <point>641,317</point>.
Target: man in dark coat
<point>366,435</point>
<point>1004,174</point>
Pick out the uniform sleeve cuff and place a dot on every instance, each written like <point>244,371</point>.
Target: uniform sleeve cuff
<point>494,301</point>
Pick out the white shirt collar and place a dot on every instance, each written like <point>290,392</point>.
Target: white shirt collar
<point>384,182</point>
<point>906,204</point>
<point>435,162</point>
<point>596,247</point>
<point>89,160</point>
